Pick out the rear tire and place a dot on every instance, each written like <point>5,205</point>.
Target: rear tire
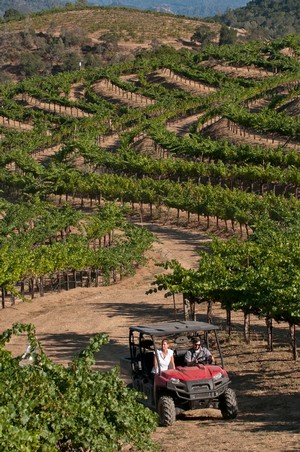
<point>166,411</point>
<point>228,404</point>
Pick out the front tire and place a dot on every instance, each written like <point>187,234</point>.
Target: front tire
<point>228,404</point>
<point>166,411</point>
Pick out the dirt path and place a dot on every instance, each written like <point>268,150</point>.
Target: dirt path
<point>77,91</point>
<point>182,126</point>
<point>171,80</point>
<point>65,321</point>
<point>267,384</point>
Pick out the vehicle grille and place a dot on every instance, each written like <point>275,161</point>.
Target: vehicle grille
<point>200,387</point>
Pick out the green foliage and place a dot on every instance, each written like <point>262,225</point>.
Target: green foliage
<point>227,35</point>
<point>71,61</point>
<point>37,240</point>
<point>265,18</point>
<point>237,185</point>
<point>260,275</point>
<point>31,64</point>
<point>45,406</point>
<point>12,14</point>
<point>204,35</point>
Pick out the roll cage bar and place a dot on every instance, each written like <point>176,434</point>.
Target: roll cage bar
<point>161,330</point>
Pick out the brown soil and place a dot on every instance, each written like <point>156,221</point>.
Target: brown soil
<point>77,91</point>
<point>114,94</point>
<point>267,384</point>
<point>238,135</point>
<point>242,71</point>
<point>292,108</point>
<point>183,125</point>
<point>10,123</point>
<point>52,107</point>
<point>171,80</point>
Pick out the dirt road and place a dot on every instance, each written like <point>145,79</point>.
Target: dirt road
<point>267,384</point>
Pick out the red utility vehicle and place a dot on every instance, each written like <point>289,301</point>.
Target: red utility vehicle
<point>174,391</point>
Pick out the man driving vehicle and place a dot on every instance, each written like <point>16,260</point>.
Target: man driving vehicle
<point>198,354</point>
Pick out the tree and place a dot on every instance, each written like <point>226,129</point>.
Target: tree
<point>259,275</point>
<point>52,51</point>
<point>204,35</point>
<point>31,64</point>
<point>71,62</point>
<point>12,14</point>
<point>110,41</point>
<point>92,60</point>
<point>227,35</point>
<point>74,37</point>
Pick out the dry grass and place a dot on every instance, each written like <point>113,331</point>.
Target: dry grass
<point>131,25</point>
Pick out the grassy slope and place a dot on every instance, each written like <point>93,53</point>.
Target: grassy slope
<point>139,24</point>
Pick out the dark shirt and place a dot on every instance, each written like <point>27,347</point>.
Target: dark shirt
<point>200,355</point>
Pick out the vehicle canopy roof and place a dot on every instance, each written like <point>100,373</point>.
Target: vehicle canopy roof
<point>166,328</point>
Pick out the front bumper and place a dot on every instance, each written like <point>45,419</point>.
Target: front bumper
<point>200,390</point>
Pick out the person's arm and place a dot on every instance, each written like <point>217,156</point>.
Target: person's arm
<point>212,359</point>
<point>172,361</point>
<point>209,357</point>
<point>155,365</point>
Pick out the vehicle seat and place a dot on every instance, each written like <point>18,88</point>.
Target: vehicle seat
<point>147,344</point>
<point>148,362</point>
<point>179,357</point>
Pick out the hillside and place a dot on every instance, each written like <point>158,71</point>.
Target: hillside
<point>52,42</point>
<point>265,18</point>
<point>199,8</point>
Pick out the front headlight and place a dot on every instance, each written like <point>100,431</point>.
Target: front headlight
<point>218,376</point>
<point>174,380</point>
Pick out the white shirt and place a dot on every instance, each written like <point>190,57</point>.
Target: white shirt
<point>164,361</point>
